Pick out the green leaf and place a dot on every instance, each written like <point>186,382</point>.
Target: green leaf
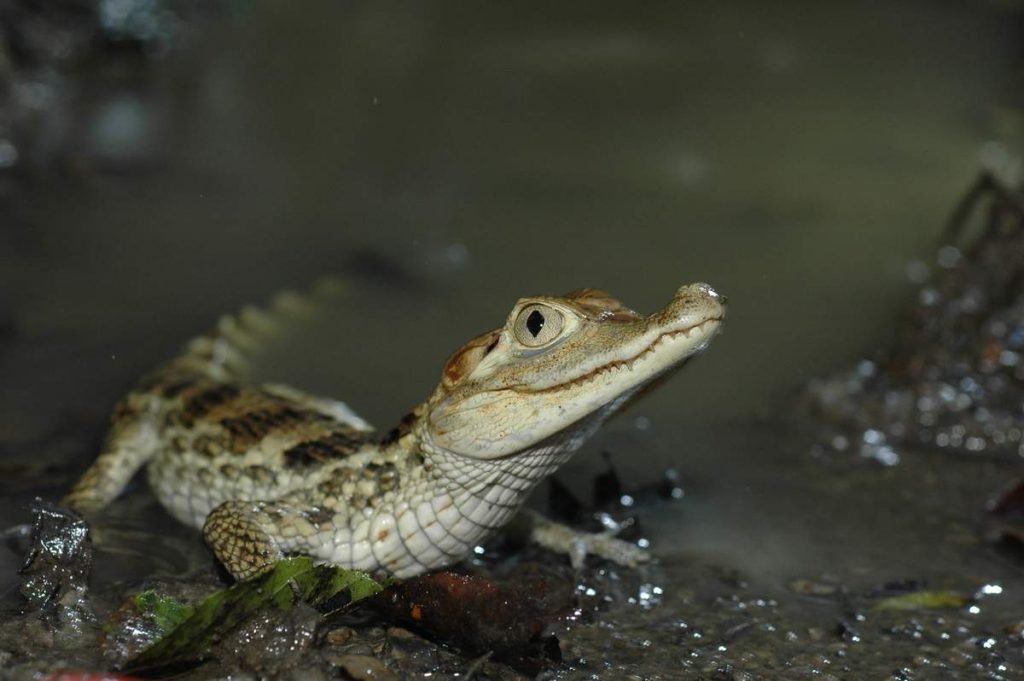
<point>924,600</point>
<point>167,613</point>
<point>290,580</point>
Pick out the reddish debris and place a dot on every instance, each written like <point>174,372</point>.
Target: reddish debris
<point>477,615</point>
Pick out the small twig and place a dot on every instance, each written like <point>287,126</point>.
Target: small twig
<point>476,664</point>
<point>985,184</point>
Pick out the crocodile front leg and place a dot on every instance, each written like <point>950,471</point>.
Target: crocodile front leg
<point>240,534</point>
<point>249,537</point>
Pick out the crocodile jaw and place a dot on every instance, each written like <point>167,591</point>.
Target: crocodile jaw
<point>499,398</point>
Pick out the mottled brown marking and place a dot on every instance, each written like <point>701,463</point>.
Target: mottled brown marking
<point>598,304</point>
<point>337,445</point>
<point>247,430</point>
<point>319,516</point>
<point>388,480</point>
<point>174,388</point>
<point>205,401</point>
<point>262,475</point>
<point>335,485</point>
<point>207,446</point>
<point>465,359</point>
<point>383,534</point>
<point>125,410</point>
<point>385,476</point>
<point>404,426</point>
<point>172,419</point>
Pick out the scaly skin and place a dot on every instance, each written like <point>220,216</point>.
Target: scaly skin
<point>268,470</point>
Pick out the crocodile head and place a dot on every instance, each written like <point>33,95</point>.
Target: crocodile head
<point>559,367</point>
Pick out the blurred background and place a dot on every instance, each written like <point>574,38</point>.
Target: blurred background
<point>162,163</point>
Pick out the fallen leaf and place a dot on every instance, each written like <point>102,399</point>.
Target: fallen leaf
<point>290,581</point>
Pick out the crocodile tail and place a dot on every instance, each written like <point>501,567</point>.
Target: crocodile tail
<point>221,355</point>
<point>225,352</point>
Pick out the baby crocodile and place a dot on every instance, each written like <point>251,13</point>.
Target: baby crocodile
<point>268,470</point>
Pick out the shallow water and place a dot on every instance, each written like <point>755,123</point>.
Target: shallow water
<point>450,158</point>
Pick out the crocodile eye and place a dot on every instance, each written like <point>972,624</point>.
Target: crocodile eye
<point>538,325</point>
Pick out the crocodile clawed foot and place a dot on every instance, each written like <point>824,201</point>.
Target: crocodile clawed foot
<point>607,546</point>
<point>578,545</point>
